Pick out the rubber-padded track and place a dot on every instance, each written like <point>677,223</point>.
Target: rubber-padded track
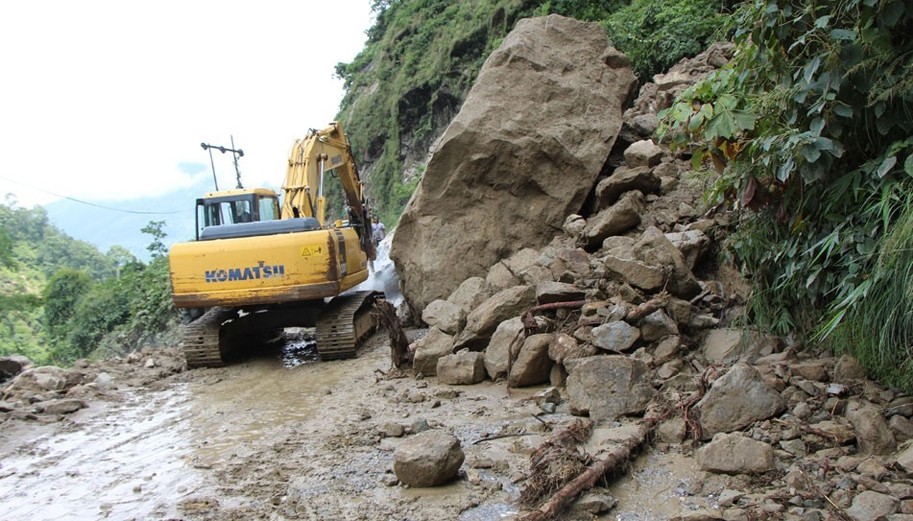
<point>200,338</point>
<point>344,323</point>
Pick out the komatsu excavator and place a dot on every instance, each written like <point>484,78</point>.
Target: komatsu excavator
<point>258,266</point>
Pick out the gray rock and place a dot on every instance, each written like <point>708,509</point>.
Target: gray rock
<point>873,436</point>
<point>535,154</point>
<point>445,315</point>
<point>654,249</point>
<point>643,153</point>
<point>617,336</point>
<point>595,503</point>
<point>574,225</point>
<point>666,350</point>
<point>736,400</point>
<point>429,349</point>
<point>509,332</point>
<point>565,347</point>
<point>645,124</point>
<point>532,366</point>
<point>625,180</point>
<point>848,370</point>
<point>391,430</point>
<point>902,428</point>
<point>104,382</point>
<point>63,406</point>
<point>482,322</point>
<point>672,430</point>
<point>470,294</point>
<point>614,220</point>
<point>872,506</point>
<point>691,243</point>
<point>814,370</point>
<point>428,459</point>
<point>499,277</point>
<point>463,368</point>
<point>735,454</point>
<point>657,325</point>
<point>725,346</point>
<point>549,292</point>
<point>905,460</point>
<point>634,272</point>
<point>606,387</point>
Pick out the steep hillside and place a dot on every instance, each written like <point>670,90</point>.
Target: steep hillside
<point>422,56</point>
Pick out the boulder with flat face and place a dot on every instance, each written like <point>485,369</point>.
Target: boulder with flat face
<point>522,154</point>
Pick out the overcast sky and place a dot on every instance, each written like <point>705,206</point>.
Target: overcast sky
<point>110,100</point>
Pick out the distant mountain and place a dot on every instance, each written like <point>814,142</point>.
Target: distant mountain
<point>108,223</point>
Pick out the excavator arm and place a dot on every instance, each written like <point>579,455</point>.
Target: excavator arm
<point>311,160</point>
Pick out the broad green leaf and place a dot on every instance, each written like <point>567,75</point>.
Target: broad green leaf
<point>908,165</point>
<point>891,13</point>
<point>843,110</point>
<point>843,34</point>
<point>810,153</point>
<point>886,166</point>
<point>817,125</point>
<point>822,22</point>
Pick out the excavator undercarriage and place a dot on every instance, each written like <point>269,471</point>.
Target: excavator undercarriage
<point>222,333</point>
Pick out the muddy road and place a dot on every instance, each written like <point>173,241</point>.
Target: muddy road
<point>282,436</point>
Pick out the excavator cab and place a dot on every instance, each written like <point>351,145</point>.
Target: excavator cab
<point>230,207</point>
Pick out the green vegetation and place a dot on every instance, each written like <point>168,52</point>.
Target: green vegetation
<point>60,299</point>
<point>810,128</point>
<point>422,57</point>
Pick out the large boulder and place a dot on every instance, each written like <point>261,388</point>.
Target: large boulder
<point>428,459</point>
<point>522,154</point>
<point>505,342</point>
<point>429,349</point>
<point>735,454</point>
<point>532,365</point>
<point>482,322</point>
<point>463,368</point>
<point>738,399</point>
<point>606,387</point>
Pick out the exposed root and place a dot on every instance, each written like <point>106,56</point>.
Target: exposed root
<point>616,460</point>
<point>399,344</point>
<point>556,462</point>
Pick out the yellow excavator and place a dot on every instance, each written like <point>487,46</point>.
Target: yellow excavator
<point>257,266</point>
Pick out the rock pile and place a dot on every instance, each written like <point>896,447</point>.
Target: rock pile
<point>627,312</point>
<point>45,392</point>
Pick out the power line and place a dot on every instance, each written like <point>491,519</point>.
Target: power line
<point>87,203</point>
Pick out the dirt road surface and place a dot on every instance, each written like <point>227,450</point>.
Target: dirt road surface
<point>283,436</point>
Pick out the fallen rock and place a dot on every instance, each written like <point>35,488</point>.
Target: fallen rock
<point>445,315</point>
<point>905,460</point>
<point>532,366</point>
<point>470,294</point>
<point>549,292</point>
<point>463,368</point>
<point>657,325</point>
<point>872,506</point>
<point>735,454</point>
<point>873,436</point>
<point>63,406</point>
<point>12,365</point>
<point>606,387</point>
<point>617,336</point>
<point>725,346</point>
<point>691,243</point>
<point>509,333</point>
<point>428,459</point>
<point>736,400</point>
<point>848,370</point>
<point>482,322</point>
<point>429,349</point>
<point>534,154</point>
<point>623,180</point>
<point>643,153</point>
<point>565,347</point>
<point>614,220</point>
<point>655,249</point>
<point>635,272</point>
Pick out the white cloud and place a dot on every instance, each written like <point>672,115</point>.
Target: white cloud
<point>106,99</point>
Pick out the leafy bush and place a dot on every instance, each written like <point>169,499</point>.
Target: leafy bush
<point>656,34</point>
<point>810,128</point>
